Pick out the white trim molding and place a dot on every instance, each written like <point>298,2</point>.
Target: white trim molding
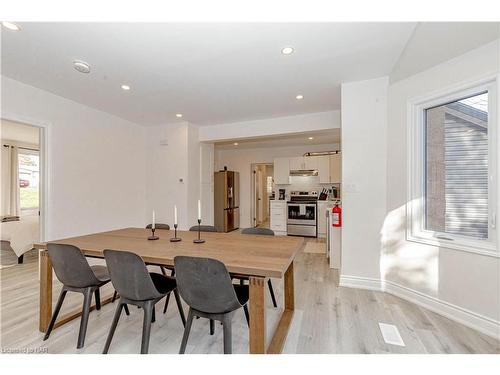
<point>456,313</point>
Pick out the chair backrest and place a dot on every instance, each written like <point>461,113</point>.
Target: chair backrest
<point>259,231</point>
<point>203,228</point>
<point>129,276</point>
<point>70,266</point>
<point>158,226</point>
<point>205,284</point>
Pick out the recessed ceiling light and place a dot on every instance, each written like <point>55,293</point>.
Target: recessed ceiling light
<point>287,51</point>
<point>125,87</point>
<point>299,97</point>
<point>179,115</point>
<point>81,66</point>
<point>235,143</point>
<point>310,138</point>
<point>11,26</point>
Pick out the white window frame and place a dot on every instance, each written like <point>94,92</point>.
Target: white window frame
<point>415,207</point>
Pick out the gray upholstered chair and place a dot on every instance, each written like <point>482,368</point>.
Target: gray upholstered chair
<point>203,228</point>
<point>76,275</point>
<point>158,226</point>
<point>138,287</point>
<point>206,287</point>
<point>262,232</point>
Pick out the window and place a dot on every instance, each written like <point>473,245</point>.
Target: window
<point>29,179</point>
<point>452,179</point>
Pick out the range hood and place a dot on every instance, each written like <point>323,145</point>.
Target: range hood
<point>304,172</point>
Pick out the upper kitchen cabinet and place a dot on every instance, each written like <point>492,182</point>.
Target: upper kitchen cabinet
<point>336,168</point>
<point>304,163</point>
<point>282,171</point>
<point>324,169</point>
<point>310,162</point>
<point>296,163</point>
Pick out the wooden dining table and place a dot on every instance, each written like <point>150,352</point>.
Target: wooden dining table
<point>252,256</point>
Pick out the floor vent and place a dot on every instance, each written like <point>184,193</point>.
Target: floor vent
<point>391,335</point>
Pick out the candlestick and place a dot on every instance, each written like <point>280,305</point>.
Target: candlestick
<point>153,237</point>
<point>199,240</point>
<point>175,238</point>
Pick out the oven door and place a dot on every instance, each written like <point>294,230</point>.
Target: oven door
<point>301,213</point>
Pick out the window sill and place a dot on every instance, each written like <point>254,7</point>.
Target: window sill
<point>487,249</point>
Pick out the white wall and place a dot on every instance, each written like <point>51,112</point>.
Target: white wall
<point>173,173</point>
<point>470,281</point>
<point>364,131</point>
<point>241,160</point>
<point>272,126</point>
<point>96,161</point>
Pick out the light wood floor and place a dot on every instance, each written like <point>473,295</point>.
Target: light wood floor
<point>328,319</point>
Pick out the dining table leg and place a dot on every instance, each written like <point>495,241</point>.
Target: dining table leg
<point>257,315</point>
<point>45,274</point>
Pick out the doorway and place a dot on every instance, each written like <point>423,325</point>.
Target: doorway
<point>22,190</point>
<point>262,189</point>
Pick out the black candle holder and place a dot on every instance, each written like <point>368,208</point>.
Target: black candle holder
<point>175,238</point>
<point>153,237</point>
<point>199,240</point>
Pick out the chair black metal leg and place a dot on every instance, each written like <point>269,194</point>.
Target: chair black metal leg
<point>187,329</point>
<point>172,274</point>
<point>271,291</point>
<point>179,306</point>
<point>146,327</point>
<point>226,326</point>
<point>114,296</point>
<point>245,309</point>
<point>242,282</point>
<point>163,271</point>
<point>153,315</point>
<point>118,312</point>
<point>97,299</point>
<point>56,312</point>
<point>166,303</point>
<point>212,327</point>
<point>125,307</point>
<point>87,300</point>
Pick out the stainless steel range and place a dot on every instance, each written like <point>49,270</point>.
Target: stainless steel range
<point>302,218</point>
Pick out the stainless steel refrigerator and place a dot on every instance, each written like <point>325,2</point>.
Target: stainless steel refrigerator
<point>226,200</point>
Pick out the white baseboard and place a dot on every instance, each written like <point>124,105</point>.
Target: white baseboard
<point>463,316</point>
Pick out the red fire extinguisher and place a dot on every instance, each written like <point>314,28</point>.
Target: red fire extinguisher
<point>337,216</point>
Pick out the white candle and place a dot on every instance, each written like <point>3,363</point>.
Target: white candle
<point>199,210</point>
<point>175,214</point>
<point>153,225</point>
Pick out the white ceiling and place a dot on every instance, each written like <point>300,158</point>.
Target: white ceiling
<point>435,42</point>
<point>326,137</point>
<point>211,72</point>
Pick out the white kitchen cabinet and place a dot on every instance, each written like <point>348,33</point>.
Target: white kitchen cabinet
<point>324,169</point>
<point>336,168</point>
<point>310,162</point>
<point>296,163</point>
<point>278,216</point>
<point>282,171</point>
<point>323,207</point>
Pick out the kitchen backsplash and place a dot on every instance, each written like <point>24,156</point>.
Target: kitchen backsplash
<point>303,183</point>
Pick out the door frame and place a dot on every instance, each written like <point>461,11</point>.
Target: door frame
<point>45,169</point>
<point>253,201</point>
